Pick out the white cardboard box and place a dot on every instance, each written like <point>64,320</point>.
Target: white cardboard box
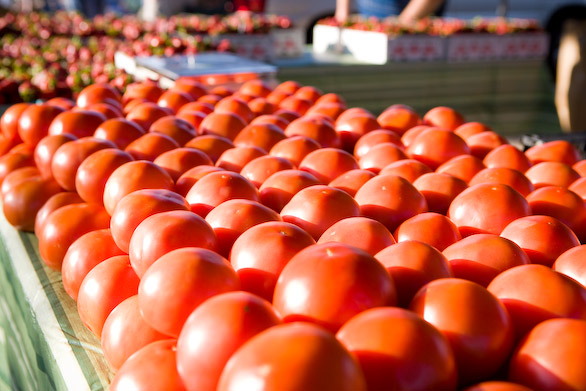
<point>478,46</point>
<point>288,43</point>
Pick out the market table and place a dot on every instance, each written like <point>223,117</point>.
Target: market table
<point>43,343</point>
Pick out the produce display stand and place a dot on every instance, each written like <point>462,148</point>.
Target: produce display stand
<point>44,345</point>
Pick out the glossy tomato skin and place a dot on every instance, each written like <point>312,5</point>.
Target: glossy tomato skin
<point>497,385</point>
<point>53,203</point>
<point>178,282</point>
<point>373,237</point>
<point>81,123</point>
<point>233,318</point>
<point>45,150</point>
<point>318,360</point>
<point>476,324</point>
<point>432,228</point>
<point>551,356</point>
<point>64,226</point>
<point>399,350</point>
<point>120,131</point>
<point>34,122</point>
<point>329,283</point>
<point>572,264</point>
<point>153,367</point>
<point>326,164</point>
<point>278,189</point>
<point>125,332</point>
<point>9,121</point>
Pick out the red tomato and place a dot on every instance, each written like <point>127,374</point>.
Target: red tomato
<point>390,199</point>
<point>211,144</point>
<point>105,286</point>
<point>45,150</point>
<point>316,129</point>
<point>95,93</point>
<point>189,177</point>
<point>63,226</point>
<point>234,159</point>
<point>278,189</point>
<point>497,385</point>
<point>178,282</point>
<point>193,87</point>
<point>410,135</point>
<point>374,236</point>
<point>82,123</point>
<point>351,128</point>
<point>469,129</point>
<point>436,146</point>
<point>34,122</point>
<point>233,105</point>
<point>217,187</point>
<point>551,174</point>
<point>330,98</point>
<point>504,175</point>
<point>409,169</point>
<point>326,164</point>
<point>152,368</point>
<point>94,171</point>
<point>18,176</point>
<point>579,167</point>
<point>294,148</point>
<point>120,131</point>
<point>398,119</point>
<point>151,145</point>
<point>571,263</point>
<point>551,356</point>
<point>561,151</point>
<point>9,121</point>
<point>329,109</point>
<point>179,160</point>
<point>534,293</point>
<point>295,104</point>
<point>107,109</point>
<point>463,167</point>
<point>264,136</point>
<point>13,161</point>
<point>65,103</point>
<point>255,87</point>
<point>351,181</point>
<point>443,117</point>
<point>481,257</point>
<point>374,138</point>
<point>55,202</point>
<point>270,119</point>
<point>329,283</point>
<point>144,114</point>
<point>507,156</point>
<point>314,355</point>
<point>178,129</point>
<point>413,264</point>
<point>543,238</point>
<point>318,207</point>
<point>160,233</point>
<point>174,99</point>
<point>148,90</point>
<point>398,350</point>
<point>260,169</point>
<point>202,107</point>
<point>125,332</point>
<point>134,176</point>
<point>482,143</point>
<point>432,228</point>
<point>83,255</point>
<point>487,208</point>
<point>233,318</point>
<point>476,324</point>
<point>222,124</point>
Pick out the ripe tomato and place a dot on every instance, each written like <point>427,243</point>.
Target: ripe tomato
<point>148,90</point>
<point>469,129</point>
<point>550,357</point>
<point>260,253</point>
<point>233,318</point>
<point>232,105</point>
<point>476,324</point>
<point>571,262</point>
<point>329,283</point>
<point>551,174</point>
<point>264,136</point>
<point>179,160</point>
<point>351,128</point>
<point>55,202</point>
<point>120,131</point>
<point>125,332</point>
<point>579,167</point>
<point>9,121</point>
<point>390,199</point>
<point>318,207</point>
<point>13,161</point>
<point>482,143</point>
<point>178,129</point>
<point>163,232</point>
<point>443,117</point>
<point>410,135</point>
<point>497,385</point>
<point>409,169</point>
<point>45,150</point>
<point>201,107</point>
<point>432,228</point>
<point>255,87</point>
<point>222,124</point>
<point>81,123</point>
<point>83,255</point>
<point>380,156</point>
<point>17,176</point>
<point>150,145</point>
<point>504,175</point>
<point>234,159</point>
<point>295,104</point>
<point>94,171</point>
<point>34,122</point>
<point>352,180</point>
<point>294,148</point>
<point>65,103</point>
<point>326,164</point>
<point>330,97</point>
<point>174,99</point>
<point>278,189</point>
<point>561,151</point>
<point>317,129</point>
<point>270,119</point>
<point>318,360</point>
<point>436,146</point>
<point>374,138</point>
<point>144,114</point>
<point>487,208</point>
<point>398,350</point>
<point>134,176</point>
<point>507,156</point>
<point>193,87</point>
<point>189,177</point>
<point>413,264</point>
<point>178,282</point>
<point>95,93</point>
<point>439,190</point>
<point>534,293</point>
<point>463,167</point>
<point>107,109</point>
<point>374,236</point>
<point>398,119</point>
<point>481,257</point>
<point>152,367</point>
<point>211,144</point>
<point>259,169</point>
<point>329,109</point>
<point>543,238</point>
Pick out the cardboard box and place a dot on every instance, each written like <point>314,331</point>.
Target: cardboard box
<point>479,46</point>
<point>288,43</point>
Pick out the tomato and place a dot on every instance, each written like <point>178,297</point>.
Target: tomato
<point>482,143</point>
<point>487,208</point>
<point>571,263</point>
<point>329,109</point>
<point>398,350</point>
<point>9,121</point>
<point>507,156</point>
<point>318,207</point>
<point>390,199</point>
<point>178,129</point>
<point>125,332</point>
<point>410,135</point>
<point>330,97</point>
<point>22,201</point>
<point>151,368</point>
<point>63,226</point>
<point>443,117</point>
<point>469,129</point>
<point>270,119</point>
<point>504,175</point>
<point>179,160</point>
<point>65,103</point>
<point>463,167</point>
<point>178,282</point>
<point>163,232</point>
<point>94,171</point>
<point>95,93</point>
<point>295,104</point>
<point>259,169</point>
<point>145,114</point>
<point>211,144</point>
<point>294,148</point>
<point>233,318</point>
<point>142,90</point>
<point>561,151</point>
<point>18,176</point>
<point>351,181</point>
<point>579,167</point>
<point>289,86</point>
<point>107,109</point>
<point>255,87</point>
<point>432,228</point>
<point>543,238</point>
<point>314,355</point>
<point>83,255</point>
<point>232,217</point>
<point>316,129</point>
<point>45,150</point>
<point>174,99</point>
<point>69,156</point>
<point>380,156</point>
<point>476,324</point>
<point>234,159</point>
<point>534,293</point>
<point>436,146</point>
<point>551,174</point>
<point>194,88</point>
<point>326,164</point>
<point>189,177</point>
<point>278,189</point>
<point>13,161</point>
<point>210,98</point>
<point>354,111</point>
<point>53,203</point>
<point>202,107</point>
<point>409,169</point>
<point>222,124</point>
<point>232,105</point>
<point>351,128</point>
<point>120,131</point>
<point>217,187</point>
<point>374,236</point>
<point>34,122</point>
<point>150,145</point>
<point>497,385</point>
<point>82,123</point>
<point>137,206</point>
<point>133,176</point>
<point>481,257</point>
<point>551,356</point>
<point>310,93</point>
<point>398,119</point>
<point>329,283</point>
<point>264,136</point>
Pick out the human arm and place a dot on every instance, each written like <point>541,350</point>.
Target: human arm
<point>417,9</point>
<point>342,10</point>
